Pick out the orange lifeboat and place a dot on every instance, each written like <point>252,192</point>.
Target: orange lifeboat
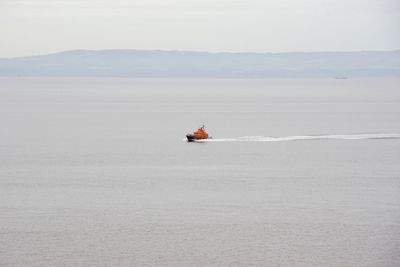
<point>197,135</point>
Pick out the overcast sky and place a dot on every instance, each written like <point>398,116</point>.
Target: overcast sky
<point>29,27</point>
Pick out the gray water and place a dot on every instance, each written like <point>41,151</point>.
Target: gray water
<point>95,172</point>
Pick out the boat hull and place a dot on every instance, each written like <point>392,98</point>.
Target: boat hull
<point>191,138</point>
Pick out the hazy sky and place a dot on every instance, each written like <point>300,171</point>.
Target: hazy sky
<point>42,26</point>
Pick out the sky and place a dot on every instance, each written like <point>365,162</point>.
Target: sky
<point>32,27</point>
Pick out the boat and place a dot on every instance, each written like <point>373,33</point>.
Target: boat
<point>199,134</point>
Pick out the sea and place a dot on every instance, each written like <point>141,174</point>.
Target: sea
<point>299,172</point>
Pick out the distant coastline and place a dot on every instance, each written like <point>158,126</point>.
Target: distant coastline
<point>190,64</point>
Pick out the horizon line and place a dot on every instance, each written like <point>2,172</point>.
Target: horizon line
<point>196,51</point>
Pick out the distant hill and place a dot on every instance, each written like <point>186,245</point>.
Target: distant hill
<point>186,64</point>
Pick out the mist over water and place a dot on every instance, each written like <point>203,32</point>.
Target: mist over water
<point>298,173</point>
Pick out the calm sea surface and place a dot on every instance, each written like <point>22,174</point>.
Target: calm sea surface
<point>95,172</point>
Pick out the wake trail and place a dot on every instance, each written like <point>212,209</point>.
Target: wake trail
<point>305,137</point>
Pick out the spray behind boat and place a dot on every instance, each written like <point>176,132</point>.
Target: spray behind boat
<point>199,134</point>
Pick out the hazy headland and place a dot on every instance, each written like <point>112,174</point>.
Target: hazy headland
<point>189,64</point>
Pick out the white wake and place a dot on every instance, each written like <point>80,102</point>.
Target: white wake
<point>305,137</point>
